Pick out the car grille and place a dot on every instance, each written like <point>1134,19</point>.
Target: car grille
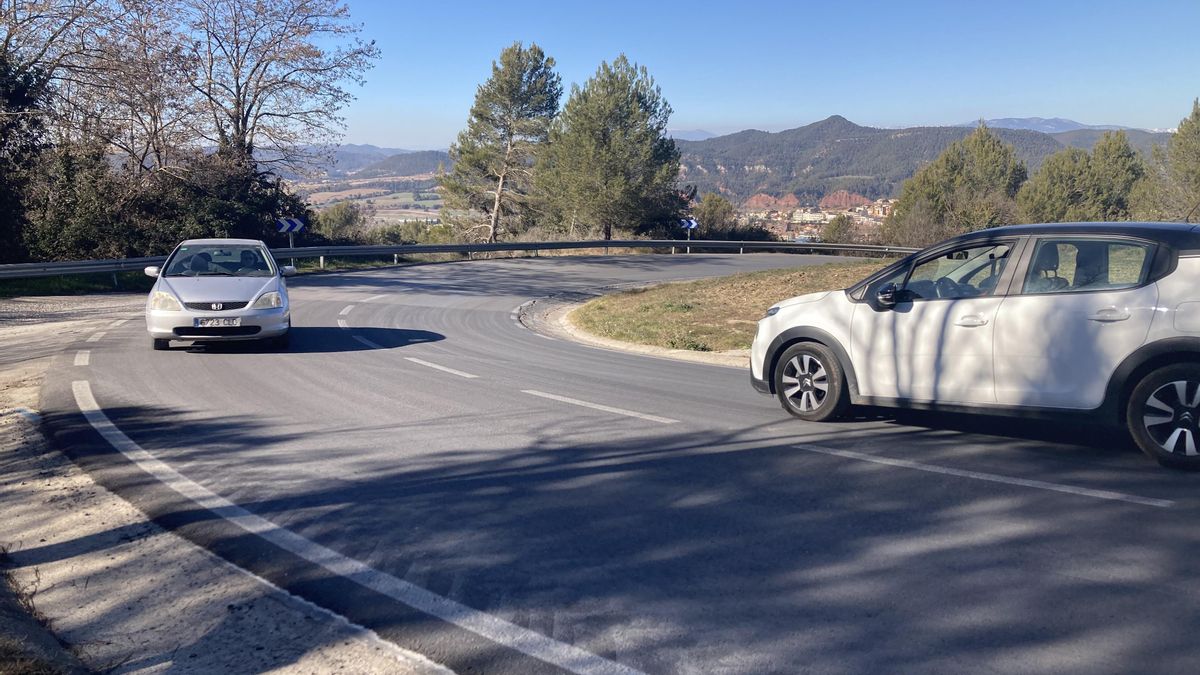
<point>216,331</point>
<point>208,306</point>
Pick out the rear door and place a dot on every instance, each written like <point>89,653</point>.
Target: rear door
<point>1079,307</point>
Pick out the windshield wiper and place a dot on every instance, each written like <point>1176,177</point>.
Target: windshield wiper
<point>214,274</point>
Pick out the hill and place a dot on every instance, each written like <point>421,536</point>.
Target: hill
<point>836,154</point>
<point>1143,141</point>
<point>407,164</point>
<point>1053,125</point>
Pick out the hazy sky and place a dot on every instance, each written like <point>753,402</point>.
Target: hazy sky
<point>727,66</point>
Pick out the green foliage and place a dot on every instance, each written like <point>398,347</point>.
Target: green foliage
<point>1171,190</point>
<point>1074,186</point>
<point>609,165</point>
<point>486,190</point>
<point>714,213</point>
<point>970,186</point>
<point>343,222</point>
<point>839,230</point>
<point>22,96</point>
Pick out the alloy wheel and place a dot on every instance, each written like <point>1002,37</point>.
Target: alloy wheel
<point>807,384</point>
<point>1171,415</point>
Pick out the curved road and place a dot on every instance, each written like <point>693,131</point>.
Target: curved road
<point>506,503</point>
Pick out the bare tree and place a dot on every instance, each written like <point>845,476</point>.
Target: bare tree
<point>272,75</point>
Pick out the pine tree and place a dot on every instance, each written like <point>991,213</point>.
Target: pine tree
<point>609,164</point>
<point>1171,189</point>
<point>714,215</point>
<point>839,230</point>
<point>486,191</point>
<point>1060,191</point>
<point>970,186</point>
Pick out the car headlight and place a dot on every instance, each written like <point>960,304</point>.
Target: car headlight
<point>772,312</point>
<point>268,301</point>
<point>164,301</point>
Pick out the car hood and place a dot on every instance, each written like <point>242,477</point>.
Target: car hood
<point>218,289</point>
<point>801,299</point>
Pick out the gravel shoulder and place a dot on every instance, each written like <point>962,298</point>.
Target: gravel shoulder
<point>121,594</point>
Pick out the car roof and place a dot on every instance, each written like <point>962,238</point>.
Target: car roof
<point>242,242</point>
<point>1180,235</point>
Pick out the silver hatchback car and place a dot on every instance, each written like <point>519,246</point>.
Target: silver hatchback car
<point>219,289</point>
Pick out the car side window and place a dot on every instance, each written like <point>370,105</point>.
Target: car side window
<point>962,273</point>
<point>1081,265</point>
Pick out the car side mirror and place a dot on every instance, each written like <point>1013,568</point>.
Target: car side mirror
<point>151,271</point>
<point>287,271</point>
<point>885,297</point>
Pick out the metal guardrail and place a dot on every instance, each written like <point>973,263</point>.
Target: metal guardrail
<point>49,269</point>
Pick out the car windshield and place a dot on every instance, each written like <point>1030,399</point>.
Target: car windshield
<point>220,260</point>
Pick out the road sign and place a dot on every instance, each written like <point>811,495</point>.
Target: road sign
<point>289,224</point>
<point>688,223</point>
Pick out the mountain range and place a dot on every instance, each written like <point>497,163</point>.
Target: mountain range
<point>1053,125</point>
<point>837,154</point>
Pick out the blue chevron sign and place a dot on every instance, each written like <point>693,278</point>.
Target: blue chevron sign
<point>290,224</point>
<point>688,223</point>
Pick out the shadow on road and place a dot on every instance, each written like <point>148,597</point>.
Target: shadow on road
<point>323,340</point>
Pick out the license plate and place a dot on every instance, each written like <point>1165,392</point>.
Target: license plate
<point>218,322</point>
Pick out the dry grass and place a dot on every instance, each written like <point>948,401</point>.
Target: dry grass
<point>711,314</point>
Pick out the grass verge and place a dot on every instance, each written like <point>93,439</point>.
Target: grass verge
<point>710,314</point>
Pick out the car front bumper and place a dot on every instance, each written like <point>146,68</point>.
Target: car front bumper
<point>256,324</point>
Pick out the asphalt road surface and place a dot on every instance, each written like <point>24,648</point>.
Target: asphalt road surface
<point>501,502</point>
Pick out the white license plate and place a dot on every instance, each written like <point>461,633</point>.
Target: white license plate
<point>218,323</point>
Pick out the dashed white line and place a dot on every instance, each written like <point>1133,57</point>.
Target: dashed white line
<point>375,297</point>
<point>83,357</point>
<point>444,369</point>
<point>367,342</point>
<point>345,310</point>
<point>96,337</point>
<point>342,323</point>
<point>118,323</point>
<point>523,640</point>
<point>597,406</point>
<point>992,478</point>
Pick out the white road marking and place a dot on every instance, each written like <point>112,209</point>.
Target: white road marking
<point>345,310</point>
<point>375,297</point>
<point>118,323</point>
<point>993,478</point>
<point>528,642</point>
<point>597,406</point>
<point>444,369</point>
<point>96,337</point>
<point>83,357</point>
<point>367,342</point>
<point>342,323</point>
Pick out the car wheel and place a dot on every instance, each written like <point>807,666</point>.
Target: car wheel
<point>1163,415</point>
<point>810,383</point>
<point>161,345</point>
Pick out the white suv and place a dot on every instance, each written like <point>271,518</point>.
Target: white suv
<point>1098,320</point>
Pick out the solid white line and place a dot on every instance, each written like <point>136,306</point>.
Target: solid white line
<point>367,342</point>
<point>375,297</point>
<point>528,642</point>
<point>444,369</point>
<point>96,337</point>
<point>993,478</point>
<point>83,357</point>
<point>342,323</point>
<point>345,310</point>
<point>597,406</point>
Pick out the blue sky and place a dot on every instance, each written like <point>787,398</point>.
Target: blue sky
<point>727,66</point>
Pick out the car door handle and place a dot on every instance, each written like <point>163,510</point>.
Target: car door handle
<point>1109,314</point>
<point>971,321</point>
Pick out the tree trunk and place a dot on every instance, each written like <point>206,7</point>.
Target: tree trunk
<point>495,223</point>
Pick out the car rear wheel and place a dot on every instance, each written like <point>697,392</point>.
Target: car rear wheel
<point>810,383</point>
<point>161,345</point>
<point>1163,415</point>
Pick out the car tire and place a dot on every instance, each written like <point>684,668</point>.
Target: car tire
<point>1163,415</point>
<point>799,376</point>
<point>161,345</point>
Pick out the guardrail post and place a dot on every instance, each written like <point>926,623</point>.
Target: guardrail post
<point>322,262</point>
<point>672,250</point>
<point>395,258</point>
<point>741,250</point>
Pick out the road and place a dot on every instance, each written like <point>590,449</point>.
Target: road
<point>501,502</point>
